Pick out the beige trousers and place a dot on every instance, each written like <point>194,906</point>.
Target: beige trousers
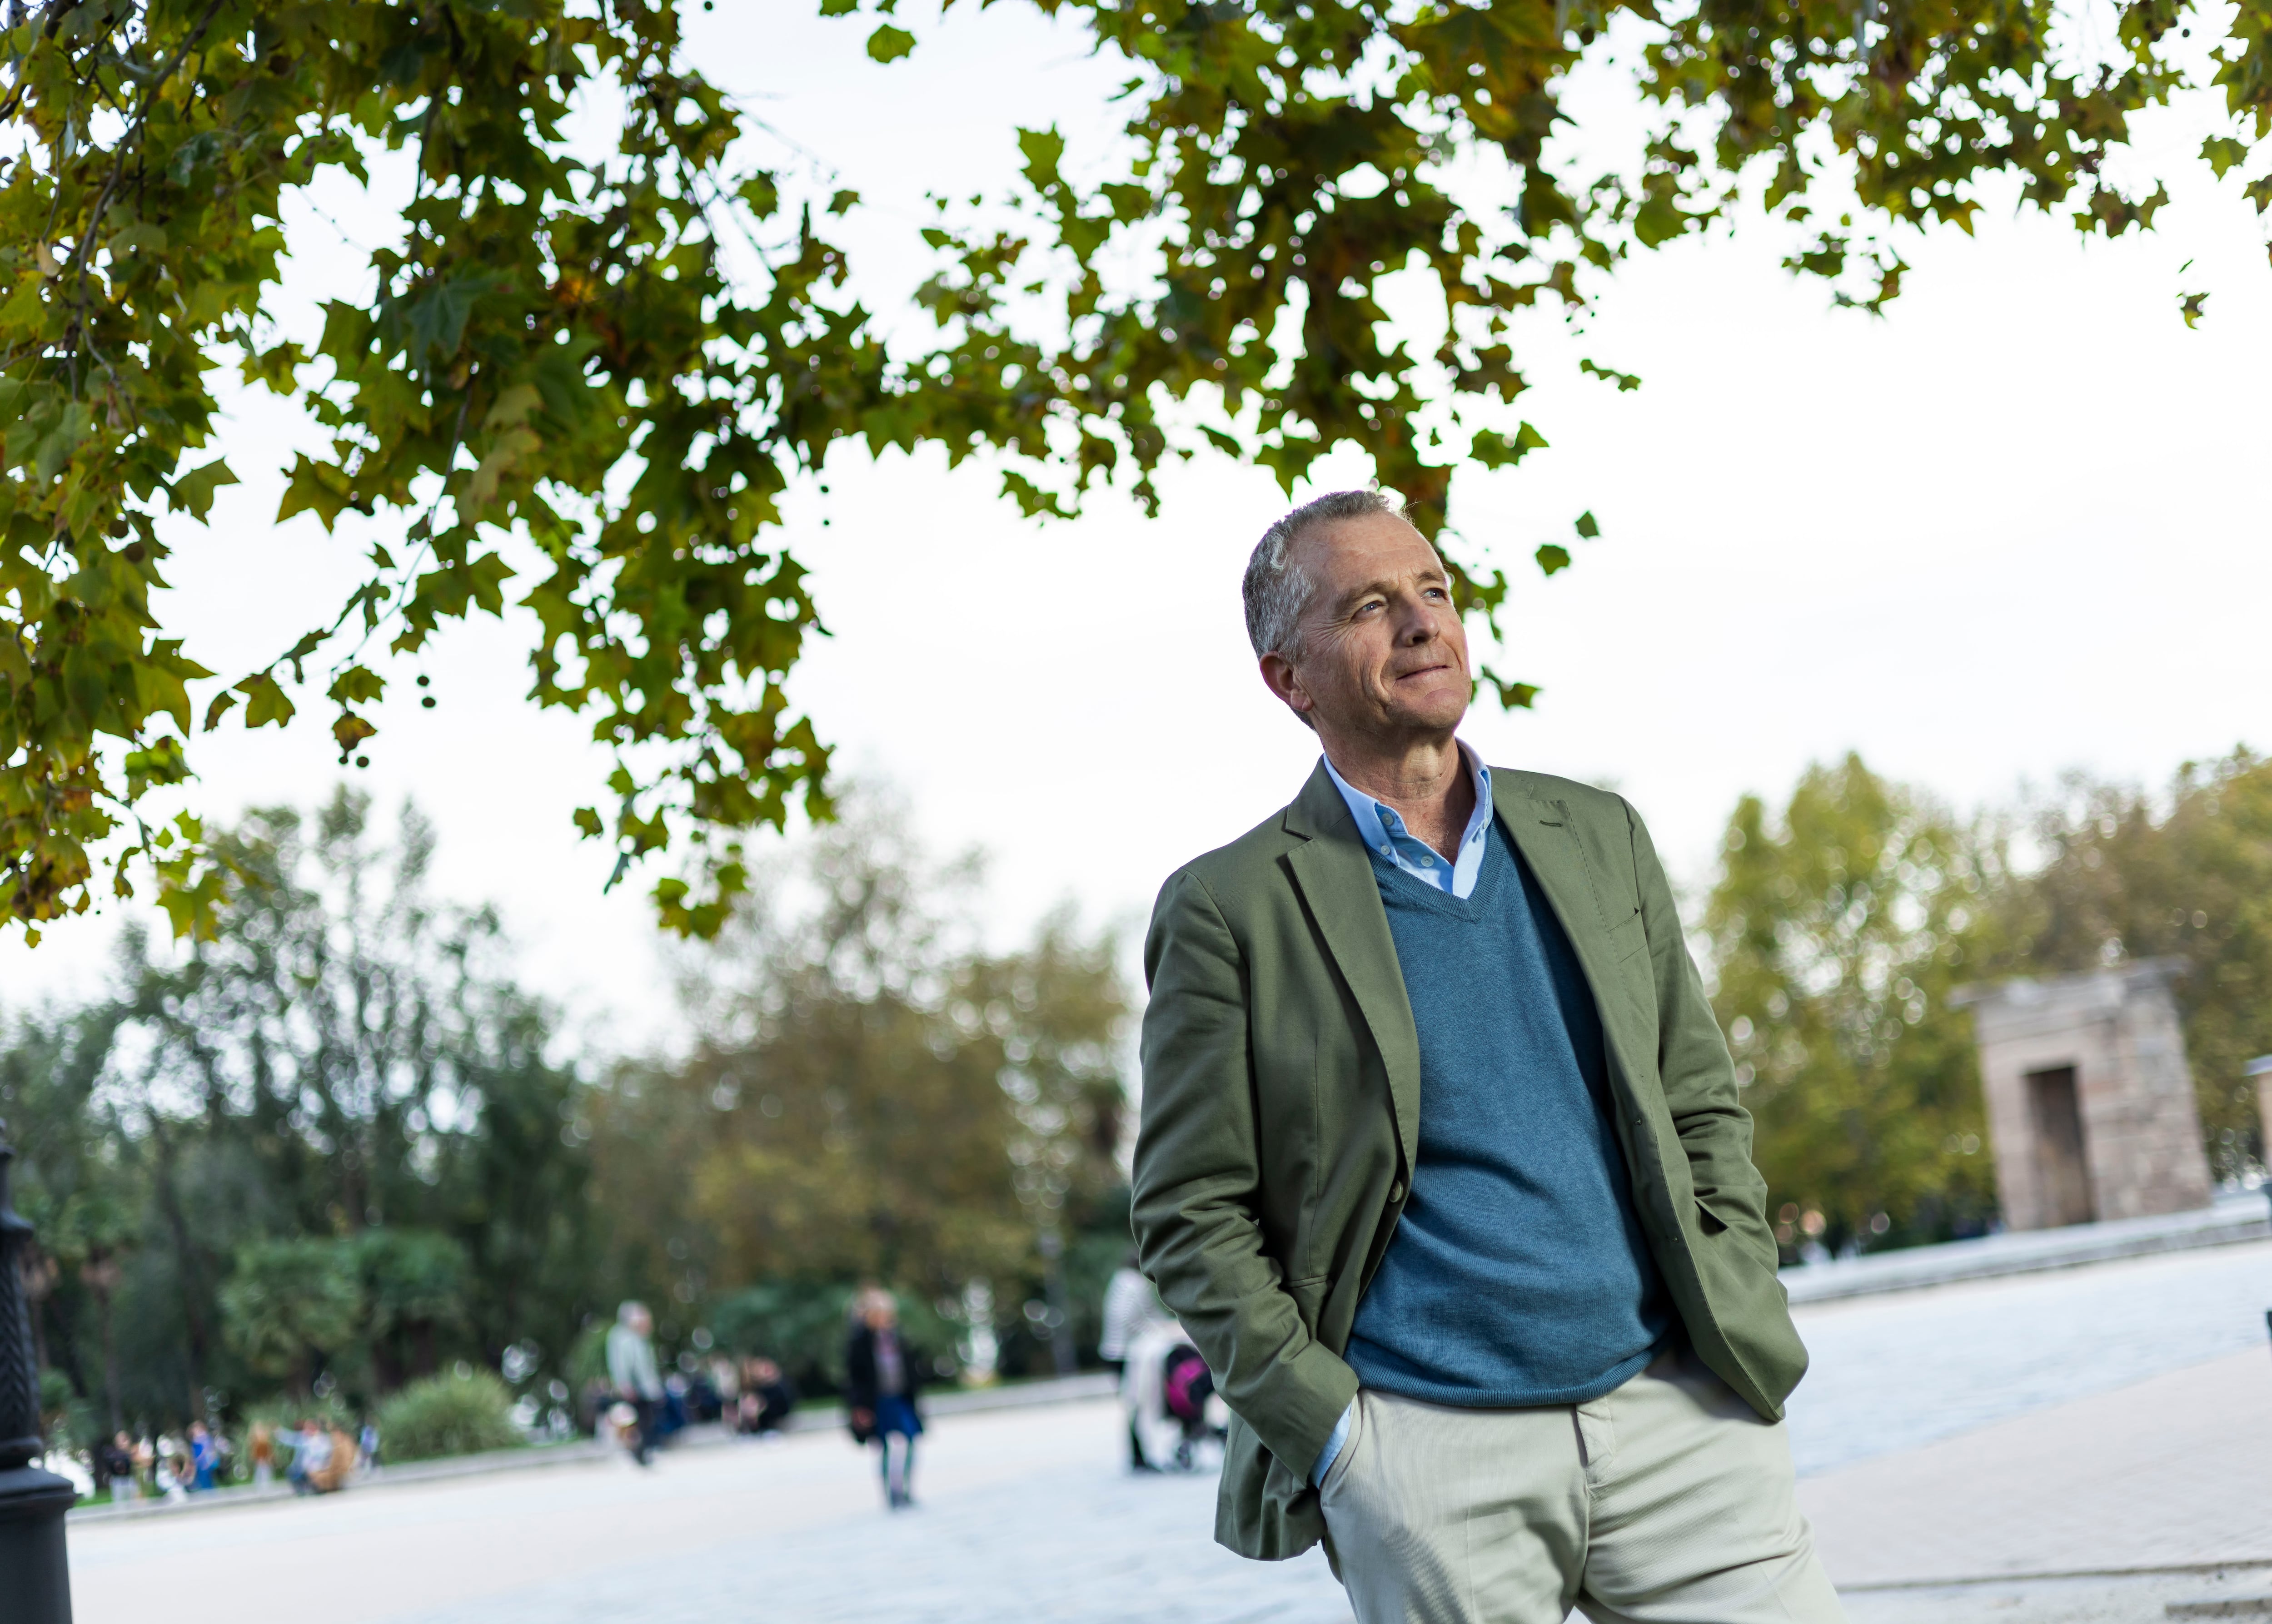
<point>1666,1502</point>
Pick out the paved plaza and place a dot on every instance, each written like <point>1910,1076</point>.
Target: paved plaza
<point>2089,1423</point>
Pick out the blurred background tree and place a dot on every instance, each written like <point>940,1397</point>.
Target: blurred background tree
<point>870,1095</point>
<point>1837,928</point>
<point>339,1149</point>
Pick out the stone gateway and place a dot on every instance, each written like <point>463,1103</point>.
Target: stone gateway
<point>2090,1102</point>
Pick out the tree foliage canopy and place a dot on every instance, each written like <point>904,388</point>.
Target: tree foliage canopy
<point>620,360</point>
<point>1838,928</point>
<point>872,1095</point>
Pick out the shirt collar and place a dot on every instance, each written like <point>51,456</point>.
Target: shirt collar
<point>1377,823</point>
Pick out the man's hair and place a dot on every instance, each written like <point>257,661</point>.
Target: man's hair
<point>1277,589</point>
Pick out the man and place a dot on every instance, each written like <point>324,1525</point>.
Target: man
<point>116,1465</point>
<point>1441,1164</point>
<point>631,1371</point>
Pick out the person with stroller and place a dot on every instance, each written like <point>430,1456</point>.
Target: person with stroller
<point>882,1378</point>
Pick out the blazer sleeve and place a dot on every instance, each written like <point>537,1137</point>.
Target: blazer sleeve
<point>1198,1175</point>
<point>1692,1060</point>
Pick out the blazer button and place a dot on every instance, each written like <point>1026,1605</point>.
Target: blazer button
<point>1396,1190</point>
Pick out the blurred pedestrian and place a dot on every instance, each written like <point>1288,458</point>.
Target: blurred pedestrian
<point>311,1458</point>
<point>172,1475</point>
<point>883,1376</point>
<point>205,1455</point>
<point>632,1371</point>
<point>367,1446</point>
<point>260,1444</point>
<point>767,1399</point>
<point>1129,1305</point>
<point>115,1461</point>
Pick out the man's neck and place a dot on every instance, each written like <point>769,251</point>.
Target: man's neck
<point>1427,783</point>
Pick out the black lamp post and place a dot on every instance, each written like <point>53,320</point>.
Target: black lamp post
<point>35,1574</point>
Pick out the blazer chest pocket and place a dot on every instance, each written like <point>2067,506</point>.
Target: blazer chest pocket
<point>1628,936</point>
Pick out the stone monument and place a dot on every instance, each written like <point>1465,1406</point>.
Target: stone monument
<point>2090,1102</point>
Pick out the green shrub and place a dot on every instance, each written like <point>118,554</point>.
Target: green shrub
<point>447,1415</point>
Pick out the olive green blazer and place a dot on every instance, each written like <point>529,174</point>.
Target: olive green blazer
<point>1282,1107</point>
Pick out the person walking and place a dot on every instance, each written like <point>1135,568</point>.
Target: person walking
<point>1441,1163</point>
<point>204,1457</point>
<point>1129,1305</point>
<point>632,1371</point>
<point>260,1445</point>
<point>1130,1308</point>
<point>115,1461</point>
<point>882,1379</point>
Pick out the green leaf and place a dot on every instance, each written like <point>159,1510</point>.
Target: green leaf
<point>349,730</point>
<point>1551,558</point>
<point>588,821</point>
<point>356,685</point>
<point>1497,450</point>
<point>1586,525</point>
<point>1626,382</point>
<point>2189,306</point>
<point>1512,695</point>
<point>264,701</point>
<point>192,492</point>
<point>2223,153</point>
<point>838,8</point>
<point>163,763</point>
<point>1043,150</point>
<point>889,43</point>
<point>1658,221</point>
<point>54,448</point>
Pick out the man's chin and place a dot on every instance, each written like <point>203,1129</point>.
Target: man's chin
<point>1431,713</point>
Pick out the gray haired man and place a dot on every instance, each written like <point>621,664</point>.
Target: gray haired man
<point>1441,1164</point>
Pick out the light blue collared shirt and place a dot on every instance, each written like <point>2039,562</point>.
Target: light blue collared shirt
<point>1383,830</point>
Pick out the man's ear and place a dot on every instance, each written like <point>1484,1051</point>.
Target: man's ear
<point>1280,676</point>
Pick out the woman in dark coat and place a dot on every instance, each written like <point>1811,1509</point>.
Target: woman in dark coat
<point>883,1376</point>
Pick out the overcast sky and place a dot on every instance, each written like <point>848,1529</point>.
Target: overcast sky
<point>2012,528</point>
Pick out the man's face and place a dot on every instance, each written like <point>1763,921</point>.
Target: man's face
<point>1383,653</point>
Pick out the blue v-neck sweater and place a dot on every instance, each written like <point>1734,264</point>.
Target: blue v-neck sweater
<point>1519,1274</point>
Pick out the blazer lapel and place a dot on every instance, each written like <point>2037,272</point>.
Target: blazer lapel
<point>1541,830</point>
<point>1335,879</point>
